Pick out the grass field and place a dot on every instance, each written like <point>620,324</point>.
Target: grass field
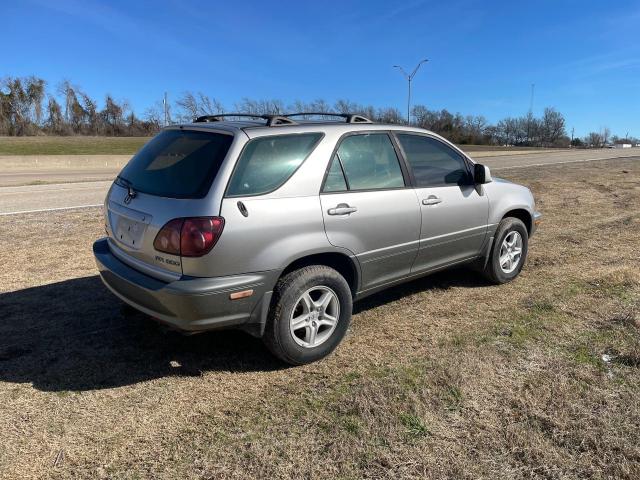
<point>445,377</point>
<point>81,145</point>
<point>71,145</point>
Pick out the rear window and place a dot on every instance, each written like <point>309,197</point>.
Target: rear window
<point>267,162</point>
<point>177,164</point>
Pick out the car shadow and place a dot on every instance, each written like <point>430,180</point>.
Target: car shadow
<point>74,336</point>
<point>459,277</point>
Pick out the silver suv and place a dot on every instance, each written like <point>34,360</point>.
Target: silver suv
<point>275,225</point>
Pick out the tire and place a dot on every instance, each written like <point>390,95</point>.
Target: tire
<point>293,316</point>
<point>509,227</point>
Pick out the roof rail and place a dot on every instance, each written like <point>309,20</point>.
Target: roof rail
<point>349,117</point>
<point>272,120</point>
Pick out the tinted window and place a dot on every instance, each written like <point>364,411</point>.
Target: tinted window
<point>335,181</point>
<point>433,163</point>
<point>177,163</point>
<point>267,162</point>
<point>370,162</point>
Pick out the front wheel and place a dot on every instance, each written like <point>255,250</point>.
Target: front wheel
<point>310,314</point>
<point>509,251</point>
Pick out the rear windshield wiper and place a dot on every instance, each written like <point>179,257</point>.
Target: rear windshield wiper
<point>123,182</point>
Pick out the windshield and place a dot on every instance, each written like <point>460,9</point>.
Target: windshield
<point>177,164</point>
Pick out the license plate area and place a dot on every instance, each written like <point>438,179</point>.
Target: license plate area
<point>130,232</point>
<point>128,225</point>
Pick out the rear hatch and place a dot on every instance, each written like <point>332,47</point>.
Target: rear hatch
<point>169,178</point>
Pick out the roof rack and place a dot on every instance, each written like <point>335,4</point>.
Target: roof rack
<point>349,117</point>
<point>272,120</point>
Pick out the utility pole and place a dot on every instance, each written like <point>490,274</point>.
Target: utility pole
<point>530,114</point>
<point>409,78</point>
<point>572,130</point>
<point>165,107</point>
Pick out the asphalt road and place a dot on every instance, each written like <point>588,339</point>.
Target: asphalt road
<point>9,179</point>
<point>46,198</point>
<point>90,194</point>
<point>566,156</point>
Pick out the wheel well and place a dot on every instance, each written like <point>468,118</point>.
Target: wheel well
<point>522,215</point>
<point>338,261</point>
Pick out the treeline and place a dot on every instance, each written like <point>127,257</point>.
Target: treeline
<point>27,107</point>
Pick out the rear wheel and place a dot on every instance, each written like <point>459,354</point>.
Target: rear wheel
<point>309,316</point>
<point>509,251</point>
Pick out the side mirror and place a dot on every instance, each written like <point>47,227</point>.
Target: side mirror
<point>481,174</point>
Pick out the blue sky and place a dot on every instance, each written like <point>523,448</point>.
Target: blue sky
<point>583,56</point>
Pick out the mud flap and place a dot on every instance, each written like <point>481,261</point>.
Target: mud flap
<point>258,319</point>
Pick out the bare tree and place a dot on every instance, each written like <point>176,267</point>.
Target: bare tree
<point>35,95</point>
<point>112,116</point>
<point>194,105</point>
<point>594,139</point>
<point>390,115</point>
<point>553,126</point>
<point>91,113</point>
<point>154,115</point>
<point>260,107</point>
<point>474,128</point>
<point>55,121</point>
<point>21,107</point>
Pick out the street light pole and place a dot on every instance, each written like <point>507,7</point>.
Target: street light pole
<point>409,78</point>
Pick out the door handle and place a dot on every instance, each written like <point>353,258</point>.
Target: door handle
<point>431,200</point>
<point>342,209</point>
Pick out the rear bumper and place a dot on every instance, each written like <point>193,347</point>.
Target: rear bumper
<point>189,304</point>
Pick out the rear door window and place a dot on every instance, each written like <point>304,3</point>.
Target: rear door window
<point>177,164</point>
<point>369,162</point>
<point>266,163</point>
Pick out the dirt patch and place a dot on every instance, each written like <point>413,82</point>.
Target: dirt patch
<point>439,378</point>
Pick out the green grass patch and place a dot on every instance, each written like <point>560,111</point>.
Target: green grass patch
<point>77,145</point>
<point>414,425</point>
<point>583,356</point>
<point>351,424</point>
<point>453,398</point>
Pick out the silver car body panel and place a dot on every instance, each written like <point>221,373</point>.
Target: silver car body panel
<point>391,237</point>
<point>504,197</point>
<point>454,228</point>
<point>382,233</point>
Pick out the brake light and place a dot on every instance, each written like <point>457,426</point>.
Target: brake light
<point>189,237</point>
<point>199,235</point>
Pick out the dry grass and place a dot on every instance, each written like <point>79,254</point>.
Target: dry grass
<point>443,377</point>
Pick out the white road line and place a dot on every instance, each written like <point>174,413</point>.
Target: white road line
<point>77,207</point>
<point>548,164</point>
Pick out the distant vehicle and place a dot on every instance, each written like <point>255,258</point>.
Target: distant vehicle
<point>275,226</point>
<point>622,145</point>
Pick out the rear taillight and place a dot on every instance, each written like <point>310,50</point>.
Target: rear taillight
<point>168,238</point>
<point>189,237</point>
<point>199,235</point>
